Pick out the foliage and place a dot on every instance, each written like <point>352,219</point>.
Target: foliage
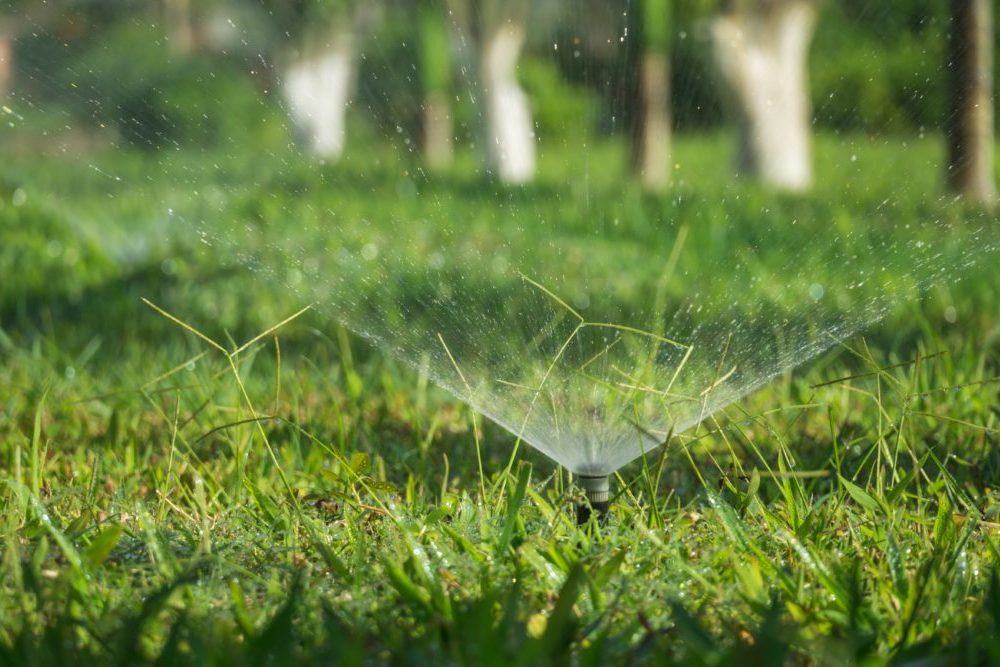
<point>305,20</point>
<point>435,51</point>
<point>562,112</point>
<point>656,25</point>
<point>131,80</point>
<point>880,69</point>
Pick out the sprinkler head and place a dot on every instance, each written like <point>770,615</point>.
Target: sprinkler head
<point>598,494</point>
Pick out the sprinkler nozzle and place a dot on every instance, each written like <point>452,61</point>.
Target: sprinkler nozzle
<point>598,491</point>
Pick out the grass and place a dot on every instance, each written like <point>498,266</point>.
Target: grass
<point>174,495</point>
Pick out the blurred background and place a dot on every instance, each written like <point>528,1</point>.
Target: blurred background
<point>340,75</point>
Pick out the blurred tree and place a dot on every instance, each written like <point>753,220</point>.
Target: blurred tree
<point>969,123</point>
<point>435,66</point>
<point>651,138</point>
<point>6,56</point>
<point>321,64</point>
<point>179,25</point>
<point>15,16</point>
<point>496,32</point>
<point>761,48</point>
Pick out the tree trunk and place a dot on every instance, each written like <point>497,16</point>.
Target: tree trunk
<point>652,149</point>
<point>651,133</point>
<point>969,124</point>
<point>179,26</point>
<point>510,134</point>
<point>437,128</point>
<point>761,48</point>
<point>6,60</point>
<point>318,90</point>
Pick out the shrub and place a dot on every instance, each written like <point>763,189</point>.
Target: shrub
<point>132,81</point>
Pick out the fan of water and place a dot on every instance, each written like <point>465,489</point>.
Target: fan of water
<point>488,190</point>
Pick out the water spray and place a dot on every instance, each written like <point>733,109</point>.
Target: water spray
<point>597,490</point>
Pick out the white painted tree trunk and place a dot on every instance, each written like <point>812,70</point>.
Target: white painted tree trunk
<point>762,52</point>
<point>318,91</point>
<point>510,133</point>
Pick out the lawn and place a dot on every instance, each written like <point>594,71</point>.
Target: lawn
<point>198,479</point>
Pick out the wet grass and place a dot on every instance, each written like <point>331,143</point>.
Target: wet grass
<point>172,494</point>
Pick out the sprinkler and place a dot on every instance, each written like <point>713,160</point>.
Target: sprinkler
<point>597,490</point>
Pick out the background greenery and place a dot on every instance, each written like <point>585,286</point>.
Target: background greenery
<point>874,68</point>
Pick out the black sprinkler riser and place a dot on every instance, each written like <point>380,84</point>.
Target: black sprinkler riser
<point>598,492</point>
